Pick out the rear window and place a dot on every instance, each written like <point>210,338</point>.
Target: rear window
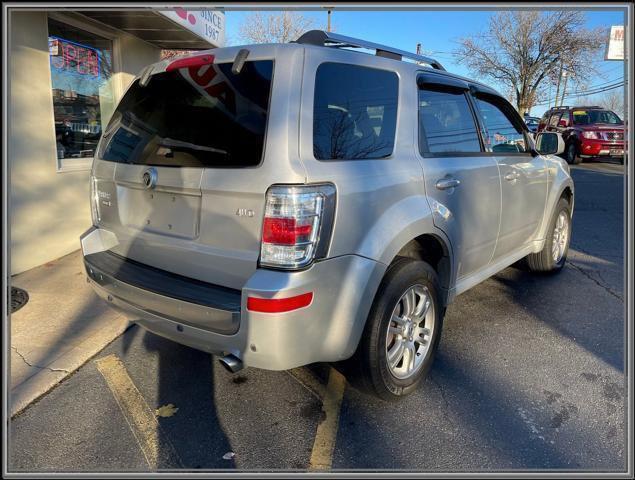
<point>587,117</point>
<point>193,117</point>
<point>354,112</point>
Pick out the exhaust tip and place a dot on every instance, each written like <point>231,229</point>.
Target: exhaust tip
<point>231,363</point>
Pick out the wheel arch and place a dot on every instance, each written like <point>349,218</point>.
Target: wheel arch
<point>562,187</point>
<point>435,251</point>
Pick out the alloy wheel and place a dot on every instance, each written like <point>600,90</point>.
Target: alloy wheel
<point>560,237</point>
<point>410,331</point>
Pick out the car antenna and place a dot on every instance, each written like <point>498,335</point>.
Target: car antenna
<point>239,61</point>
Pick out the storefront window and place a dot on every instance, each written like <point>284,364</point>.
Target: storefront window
<point>81,72</point>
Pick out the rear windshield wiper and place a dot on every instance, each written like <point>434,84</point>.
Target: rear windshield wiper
<point>171,143</point>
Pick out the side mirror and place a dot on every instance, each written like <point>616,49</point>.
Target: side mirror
<point>549,143</point>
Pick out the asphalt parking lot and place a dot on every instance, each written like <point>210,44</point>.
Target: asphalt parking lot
<point>530,375</point>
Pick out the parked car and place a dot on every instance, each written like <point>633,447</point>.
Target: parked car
<point>265,203</point>
<point>532,123</point>
<point>588,132</point>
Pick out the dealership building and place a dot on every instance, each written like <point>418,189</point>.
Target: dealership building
<point>67,70</point>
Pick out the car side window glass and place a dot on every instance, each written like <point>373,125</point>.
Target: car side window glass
<point>446,123</point>
<point>499,132</point>
<point>555,118</point>
<point>354,112</point>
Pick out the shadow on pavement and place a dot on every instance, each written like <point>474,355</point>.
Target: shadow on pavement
<point>596,324</point>
<point>184,378</point>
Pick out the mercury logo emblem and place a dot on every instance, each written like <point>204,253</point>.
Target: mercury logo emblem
<point>150,178</point>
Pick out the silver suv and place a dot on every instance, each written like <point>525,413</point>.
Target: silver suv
<point>279,205</point>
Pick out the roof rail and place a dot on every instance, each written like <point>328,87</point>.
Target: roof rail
<point>330,39</point>
<point>567,107</point>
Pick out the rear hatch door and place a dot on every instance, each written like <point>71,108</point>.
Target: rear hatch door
<point>178,172</point>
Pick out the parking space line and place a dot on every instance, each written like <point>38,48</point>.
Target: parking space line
<point>326,434</point>
<point>154,443</point>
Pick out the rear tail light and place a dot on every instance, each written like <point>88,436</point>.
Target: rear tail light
<point>590,134</point>
<point>297,225</point>
<point>94,201</point>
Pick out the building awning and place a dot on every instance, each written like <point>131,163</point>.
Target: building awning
<point>154,28</point>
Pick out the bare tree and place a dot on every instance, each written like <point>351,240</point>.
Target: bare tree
<point>280,27</point>
<point>341,137</point>
<point>521,49</point>
<point>612,100</point>
<point>175,53</point>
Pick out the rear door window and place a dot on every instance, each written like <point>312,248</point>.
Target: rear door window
<point>354,112</point>
<point>446,123</point>
<point>193,117</point>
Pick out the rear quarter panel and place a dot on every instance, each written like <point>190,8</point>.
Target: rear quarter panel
<point>381,203</point>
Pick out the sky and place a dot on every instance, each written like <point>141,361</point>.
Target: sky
<point>437,31</point>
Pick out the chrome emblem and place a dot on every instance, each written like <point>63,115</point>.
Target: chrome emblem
<point>245,212</point>
<point>150,178</point>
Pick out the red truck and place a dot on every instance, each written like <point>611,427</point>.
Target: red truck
<point>588,132</point>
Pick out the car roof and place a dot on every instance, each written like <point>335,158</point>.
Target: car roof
<point>279,48</point>
<point>401,65</point>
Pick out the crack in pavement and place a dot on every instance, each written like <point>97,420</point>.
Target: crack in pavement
<point>577,249</point>
<point>446,406</point>
<point>38,366</point>
<point>586,274</point>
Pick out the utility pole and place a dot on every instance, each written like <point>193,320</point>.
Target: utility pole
<point>564,88</point>
<point>558,85</point>
<point>328,21</point>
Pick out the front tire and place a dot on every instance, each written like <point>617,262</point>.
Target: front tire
<point>572,156</point>
<point>553,255</point>
<point>403,329</point>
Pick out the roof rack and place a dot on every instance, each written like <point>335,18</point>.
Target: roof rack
<point>334,40</point>
<point>567,107</point>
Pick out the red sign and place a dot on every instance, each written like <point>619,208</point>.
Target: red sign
<point>73,57</point>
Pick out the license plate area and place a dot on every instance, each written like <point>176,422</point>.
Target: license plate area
<point>614,152</point>
<point>162,212</point>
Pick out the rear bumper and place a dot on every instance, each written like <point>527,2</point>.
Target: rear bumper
<point>326,330</point>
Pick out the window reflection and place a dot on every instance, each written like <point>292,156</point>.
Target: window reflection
<point>500,134</point>
<point>447,122</point>
<point>81,69</point>
<point>355,112</point>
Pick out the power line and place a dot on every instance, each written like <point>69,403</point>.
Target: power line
<point>585,94</point>
<point>602,84</point>
<point>596,90</point>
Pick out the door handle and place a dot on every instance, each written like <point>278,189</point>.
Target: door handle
<point>511,176</point>
<point>446,183</point>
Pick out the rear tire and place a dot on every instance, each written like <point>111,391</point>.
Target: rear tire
<point>572,156</point>
<point>553,255</point>
<point>403,329</point>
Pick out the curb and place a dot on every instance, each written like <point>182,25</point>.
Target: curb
<point>33,388</point>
